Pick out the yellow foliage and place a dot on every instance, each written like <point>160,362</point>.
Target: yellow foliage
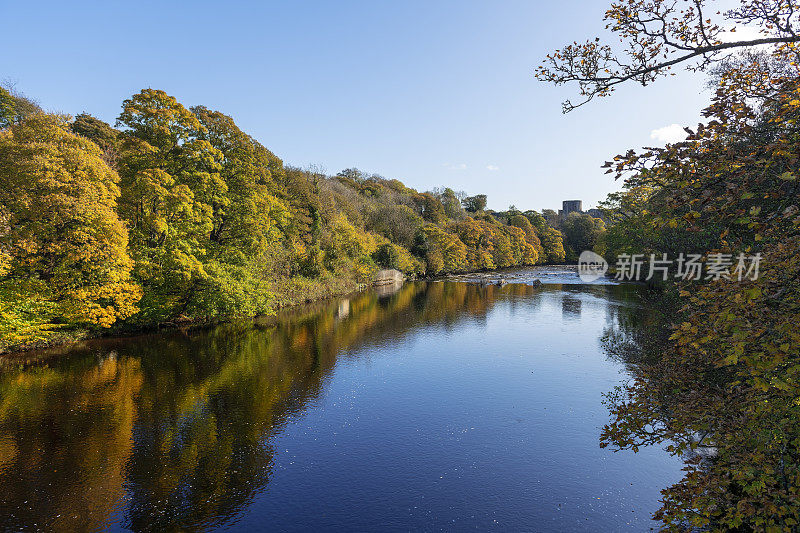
<point>64,238</point>
<point>446,251</point>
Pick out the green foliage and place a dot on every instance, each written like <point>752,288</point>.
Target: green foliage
<point>97,131</point>
<point>398,223</point>
<point>202,223</point>
<point>581,232</point>
<point>14,107</point>
<point>727,380</point>
<point>247,217</point>
<point>171,190</point>
<point>451,202</point>
<point>430,208</point>
<point>7,108</point>
<point>352,175</point>
<point>474,204</point>
<point>26,317</point>
<point>387,256</point>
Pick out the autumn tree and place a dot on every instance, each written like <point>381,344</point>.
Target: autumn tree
<point>97,131</point>
<point>15,107</point>
<point>211,225</point>
<point>251,216</point>
<point>62,248</point>
<point>398,223</point>
<point>474,204</point>
<point>352,175</point>
<point>477,240</point>
<point>728,378</point>
<point>531,236</point>
<point>581,232</point>
<point>445,251</point>
<point>387,256</point>
<point>523,246</point>
<point>551,239</point>
<point>171,190</point>
<point>552,245</point>
<point>7,110</point>
<point>451,201</point>
<point>248,222</point>
<point>430,208</point>
<point>657,35</point>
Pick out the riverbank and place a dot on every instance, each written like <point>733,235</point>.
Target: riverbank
<point>288,293</point>
<point>294,292</point>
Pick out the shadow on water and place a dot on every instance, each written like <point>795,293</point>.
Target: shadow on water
<point>177,430</point>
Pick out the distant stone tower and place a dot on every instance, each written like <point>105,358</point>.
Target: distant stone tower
<point>571,206</point>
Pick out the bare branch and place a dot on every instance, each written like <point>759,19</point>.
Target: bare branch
<point>660,34</point>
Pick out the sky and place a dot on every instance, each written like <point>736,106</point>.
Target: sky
<point>434,93</point>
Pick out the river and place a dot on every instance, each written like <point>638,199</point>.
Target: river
<point>447,405</point>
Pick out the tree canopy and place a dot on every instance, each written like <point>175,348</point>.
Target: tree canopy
<point>63,249</point>
<point>176,215</point>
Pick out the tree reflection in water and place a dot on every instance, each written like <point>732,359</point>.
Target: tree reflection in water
<point>174,430</point>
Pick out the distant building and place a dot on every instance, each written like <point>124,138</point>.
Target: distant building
<point>597,213</point>
<point>568,207</point>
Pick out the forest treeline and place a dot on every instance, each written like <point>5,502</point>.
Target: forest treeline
<point>176,215</point>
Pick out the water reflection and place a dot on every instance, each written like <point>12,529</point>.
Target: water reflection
<point>173,431</point>
<point>570,306</point>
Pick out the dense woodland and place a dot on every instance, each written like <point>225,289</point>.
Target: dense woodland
<point>175,215</point>
<point>717,378</point>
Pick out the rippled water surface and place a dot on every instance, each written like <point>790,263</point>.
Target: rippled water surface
<point>443,406</point>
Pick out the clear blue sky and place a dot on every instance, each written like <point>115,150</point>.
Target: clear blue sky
<point>429,92</point>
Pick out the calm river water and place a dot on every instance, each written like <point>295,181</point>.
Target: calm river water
<point>444,406</point>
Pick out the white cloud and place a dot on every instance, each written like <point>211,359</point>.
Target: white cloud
<point>492,167</point>
<point>669,134</point>
<point>457,166</point>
